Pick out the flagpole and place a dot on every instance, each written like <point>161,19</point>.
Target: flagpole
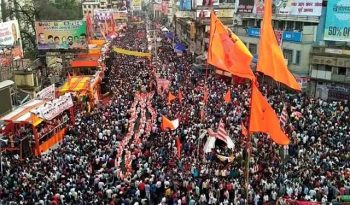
<point>248,148</point>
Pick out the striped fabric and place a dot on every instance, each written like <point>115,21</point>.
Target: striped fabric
<point>221,133</point>
<point>284,116</point>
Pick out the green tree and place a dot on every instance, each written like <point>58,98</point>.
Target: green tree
<point>27,12</point>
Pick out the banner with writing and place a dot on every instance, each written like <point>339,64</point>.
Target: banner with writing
<point>47,93</point>
<point>131,53</point>
<point>52,109</point>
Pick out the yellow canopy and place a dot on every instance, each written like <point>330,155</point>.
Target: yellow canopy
<point>76,84</point>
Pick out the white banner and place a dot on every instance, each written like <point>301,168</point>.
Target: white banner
<point>299,7</point>
<point>52,109</point>
<point>47,93</point>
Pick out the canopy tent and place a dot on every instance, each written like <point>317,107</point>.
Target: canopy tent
<point>23,114</point>
<point>84,62</point>
<point>179,48</point>
<point>76,84</point>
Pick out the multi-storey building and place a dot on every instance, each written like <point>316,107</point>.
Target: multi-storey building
<point>330,56</point>
<point>192,22</point>
<point>295,28</point>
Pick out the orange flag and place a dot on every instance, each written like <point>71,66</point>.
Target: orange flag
<point>264,119</point>
<point>271,60</point>
<point>244,130</point>
<point>178,147</point>
<point>228,96</point>
<point>171,98</point>
<point>180,96</point>
<point>227,52</point>
<point>166,123</point>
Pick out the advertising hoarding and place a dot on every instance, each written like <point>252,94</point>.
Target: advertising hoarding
<point>102,15</point>
<point>61,35</point>
<point>298,7</point>
<point>222,13</point>
<point>136,5</point>
<point>245,6</point>
<point>10,38</point>
<point>289,36</point>
<point>291,7</point>
<point>185,5</point>
<point>337,27</point>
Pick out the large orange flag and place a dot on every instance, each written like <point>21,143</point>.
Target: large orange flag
<point>227,97</point>
<point>264,119</point>
<point>271,60</point>
<point>227,52</point>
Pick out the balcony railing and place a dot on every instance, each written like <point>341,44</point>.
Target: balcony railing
<point>321,74</point>
<point>283,17</point>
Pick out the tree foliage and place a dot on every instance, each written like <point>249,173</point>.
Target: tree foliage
<point>29,11</point>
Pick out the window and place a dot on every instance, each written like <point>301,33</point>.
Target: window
<point>281,25</point>
<point>253,48</point>
<point>290,26</point>
<point>341,71</point>
<point>298,26</point>
<point>328,68</point>
<point>297,57</point>
<point>251,22</point>
<point>288,54</point>
<point>244,23</point>
<point>258,22</point>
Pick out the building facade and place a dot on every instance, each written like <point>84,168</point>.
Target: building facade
<point>88,6</point>
<point>192,22</point>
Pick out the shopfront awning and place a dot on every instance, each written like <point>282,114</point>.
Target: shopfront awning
<point>80,63</point>
<point>23,114</point>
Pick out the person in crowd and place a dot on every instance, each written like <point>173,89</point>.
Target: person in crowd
<point>88,167</point>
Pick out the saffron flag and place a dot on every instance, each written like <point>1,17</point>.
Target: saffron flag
<point>227,97</point>
<point>227,52</point>
<point>180,96</point>
<point>171,98</point>
<point>271,60</point>
<point>171,124</point>
<point>244,130</point>
<point>264,119</point>
<point>178,147</point>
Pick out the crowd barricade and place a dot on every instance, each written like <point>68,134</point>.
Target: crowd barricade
<point>288,201</point>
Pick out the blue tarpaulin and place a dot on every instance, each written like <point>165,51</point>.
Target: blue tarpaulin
<point>169,35</point>
<point>180,47</point>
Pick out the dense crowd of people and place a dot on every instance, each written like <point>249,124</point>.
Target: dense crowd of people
<point>89,167</point>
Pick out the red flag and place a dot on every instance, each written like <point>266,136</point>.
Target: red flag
<point>180,96</point>
<point>178,147</point>
<point>264,119</point>
<point>227,97</point>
